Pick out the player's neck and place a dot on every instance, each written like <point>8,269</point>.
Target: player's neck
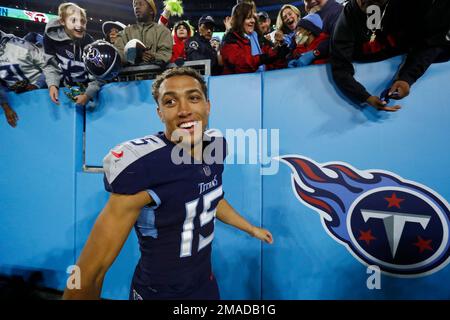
<point>196,151</point>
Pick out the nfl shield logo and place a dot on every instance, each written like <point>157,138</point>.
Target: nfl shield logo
<point>207,170</point>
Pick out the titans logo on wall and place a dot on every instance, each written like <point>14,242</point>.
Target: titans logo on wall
<point>384,220</point>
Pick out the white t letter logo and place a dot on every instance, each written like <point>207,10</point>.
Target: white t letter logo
<point>394,223</point>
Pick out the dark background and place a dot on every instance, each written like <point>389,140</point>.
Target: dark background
<point>99,11</point>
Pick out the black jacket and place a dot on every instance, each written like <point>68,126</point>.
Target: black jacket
<point>199,48</point>
<point>329,15</point>
<point>407,27</point>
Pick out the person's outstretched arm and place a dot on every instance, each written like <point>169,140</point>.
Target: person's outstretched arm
<point>343,72</point>
<point>415,65</point>
<point>226,213</point>
<point>107,237</point>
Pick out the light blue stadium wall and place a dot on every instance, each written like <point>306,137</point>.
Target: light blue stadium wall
<point>48,205</point>
<point>306,263</point>
<point>39,160</point>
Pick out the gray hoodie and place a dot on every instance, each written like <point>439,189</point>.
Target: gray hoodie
<point>65,59</point>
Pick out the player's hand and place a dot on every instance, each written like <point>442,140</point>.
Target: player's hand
<point>147,56</point>
<point>381,105</point>
<point>262,234</point>
<point>11,116</point>
<point>81,99</point>
<point>54,94</point>
<point>399,90</point>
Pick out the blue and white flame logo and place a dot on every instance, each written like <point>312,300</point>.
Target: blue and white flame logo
<point>384,220</point>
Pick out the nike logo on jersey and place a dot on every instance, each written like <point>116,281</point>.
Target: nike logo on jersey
<point>117,154</point>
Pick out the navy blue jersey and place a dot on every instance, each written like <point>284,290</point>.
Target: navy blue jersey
<point>175,232</point>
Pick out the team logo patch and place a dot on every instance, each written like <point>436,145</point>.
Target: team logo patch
<point>384,220</point>
<point>207,171</point>
<point>37,16</point>
<point>94,56</point>
<point>194,45</point>
<point>118,155</point>
<point>70,55</point>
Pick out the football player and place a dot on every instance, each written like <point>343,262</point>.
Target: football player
<point>172,204</point>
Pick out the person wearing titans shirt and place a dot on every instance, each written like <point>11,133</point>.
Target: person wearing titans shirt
<point>169,187</point>
<point>22,68</point>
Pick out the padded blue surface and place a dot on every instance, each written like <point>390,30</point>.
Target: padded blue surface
<point>91,199</point>
<point>124,111</point>
<point>305,262</point>
<point>39,159</point>
<point>236,256</point>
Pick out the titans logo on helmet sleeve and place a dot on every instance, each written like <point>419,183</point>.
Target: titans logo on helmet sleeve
<point>384,220</point>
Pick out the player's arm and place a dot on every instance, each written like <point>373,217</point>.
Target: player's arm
<point>107,237</point>
<point>226,213</point>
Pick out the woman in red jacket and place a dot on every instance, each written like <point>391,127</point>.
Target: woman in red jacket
<point>244,49</point>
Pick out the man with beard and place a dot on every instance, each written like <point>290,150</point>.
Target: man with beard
<point>199,46</point>
<point>155,41</point>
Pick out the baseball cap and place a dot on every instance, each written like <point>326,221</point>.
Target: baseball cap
<point>206,19</point>
<point>263,16</point>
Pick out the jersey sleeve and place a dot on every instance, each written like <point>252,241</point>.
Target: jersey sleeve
<point>132,166</point>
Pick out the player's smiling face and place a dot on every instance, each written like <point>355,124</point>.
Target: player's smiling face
<point>183,108</point>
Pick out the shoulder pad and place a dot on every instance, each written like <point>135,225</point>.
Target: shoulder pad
<point>123,155</point>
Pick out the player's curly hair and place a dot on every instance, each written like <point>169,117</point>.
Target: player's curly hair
<point>180,71</point>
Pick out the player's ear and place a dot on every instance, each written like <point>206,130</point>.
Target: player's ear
<point>208,107</point>
<point>158,110</point>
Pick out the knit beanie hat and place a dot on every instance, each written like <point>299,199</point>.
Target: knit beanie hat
<point>152,5</point>
<point>311,22</point>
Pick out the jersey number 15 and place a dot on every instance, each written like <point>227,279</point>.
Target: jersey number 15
<point>205,217</point>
